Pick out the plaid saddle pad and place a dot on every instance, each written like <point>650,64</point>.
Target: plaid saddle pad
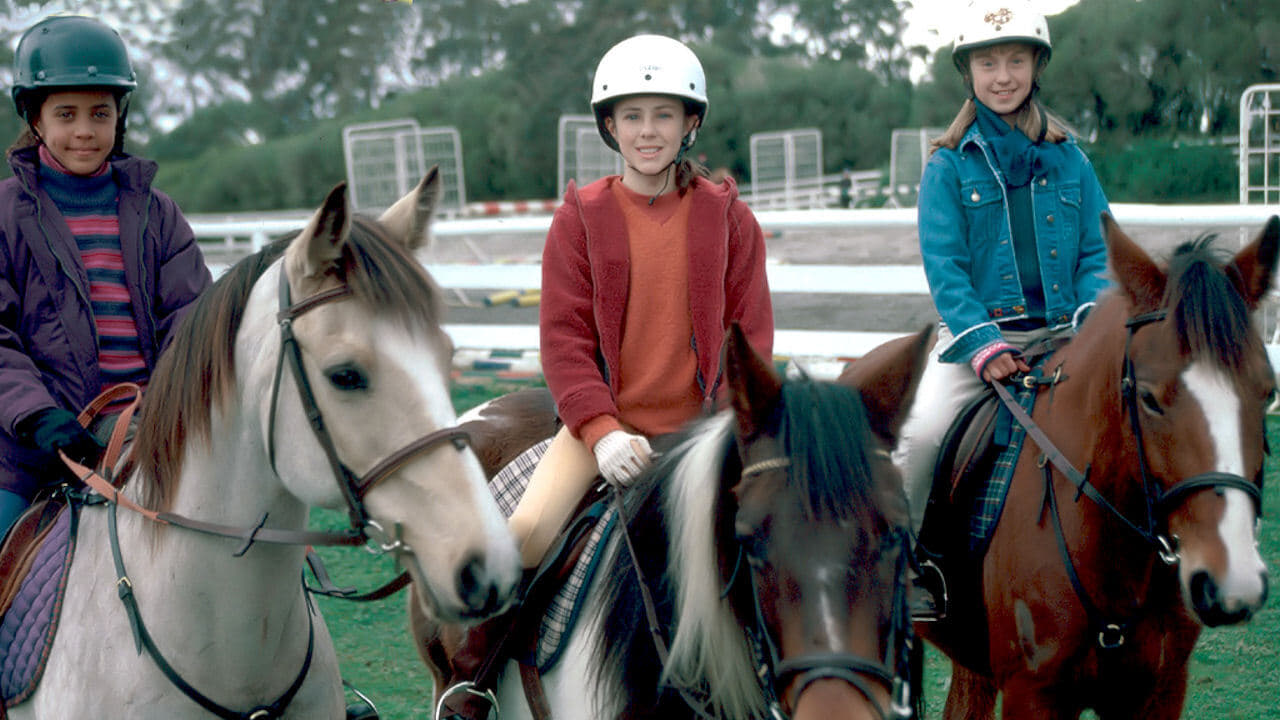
<point>562,613</point>
<point>989,501</point>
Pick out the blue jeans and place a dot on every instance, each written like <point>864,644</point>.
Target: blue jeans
<point>12,506</point>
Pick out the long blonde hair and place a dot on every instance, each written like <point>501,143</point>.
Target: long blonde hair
<point>1030,119</point>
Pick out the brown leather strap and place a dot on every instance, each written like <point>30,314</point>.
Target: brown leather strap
<point>320,298</point>
<point>531,680</point>
<point>120,432</point>
<point>379,472</point>
<point>248,535</point>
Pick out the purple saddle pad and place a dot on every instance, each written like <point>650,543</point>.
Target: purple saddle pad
<point>26,630</point>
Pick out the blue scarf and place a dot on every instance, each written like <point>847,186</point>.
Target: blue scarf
<point>1019,158</point>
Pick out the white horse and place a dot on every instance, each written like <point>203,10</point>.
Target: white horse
<point>224,439</point>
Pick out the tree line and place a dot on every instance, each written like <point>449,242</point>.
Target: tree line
<point>243,101</point>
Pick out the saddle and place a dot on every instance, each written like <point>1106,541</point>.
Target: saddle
<point>971,478</point>
<point>36,554</point>
<point>533,632</point>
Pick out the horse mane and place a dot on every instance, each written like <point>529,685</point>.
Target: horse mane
<point>196,373</point>
<point>826,434</point>
<point>681,523</point>
<point>1211,317</point>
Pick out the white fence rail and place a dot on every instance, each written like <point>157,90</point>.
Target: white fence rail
<point>247,233</point>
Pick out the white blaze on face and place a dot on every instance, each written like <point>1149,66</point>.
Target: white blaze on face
<point>1217,396</point>
<point>830,582</point>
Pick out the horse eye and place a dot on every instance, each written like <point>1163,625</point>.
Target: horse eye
<point>1149,402</point>
<point>348,378</point>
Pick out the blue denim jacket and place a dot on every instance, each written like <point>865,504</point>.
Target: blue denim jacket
<point>967,247</point>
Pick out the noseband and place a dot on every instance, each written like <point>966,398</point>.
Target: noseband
<point>779,676</point>
<point>353,488</point>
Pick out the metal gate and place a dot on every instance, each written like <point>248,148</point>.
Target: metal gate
<point>581,155</point>
<point>1260,145</point>
<point>786,170</point>
<point>386,159</point>
<point>908,154</point>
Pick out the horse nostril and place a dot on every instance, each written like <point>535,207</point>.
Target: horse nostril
<point>1204,591</point>
<point>475,590</point>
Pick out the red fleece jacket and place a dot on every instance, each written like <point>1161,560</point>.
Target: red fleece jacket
<point>585,271</point>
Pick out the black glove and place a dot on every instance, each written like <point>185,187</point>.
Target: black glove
<point>54,429</point>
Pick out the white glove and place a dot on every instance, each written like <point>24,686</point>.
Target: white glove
<point>621,456</point>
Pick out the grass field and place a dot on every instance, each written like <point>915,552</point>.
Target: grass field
<point>1235,672</point>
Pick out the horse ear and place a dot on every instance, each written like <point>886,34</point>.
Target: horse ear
<point>1255,266</point>
<point>410,216</point>
<point>317,249</point>
<point>754,386</point>
<point>1140,277</point>
<point>887,378</point>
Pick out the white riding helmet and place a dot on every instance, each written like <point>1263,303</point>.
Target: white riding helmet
<point>991,22</point>
<point>648,65</point>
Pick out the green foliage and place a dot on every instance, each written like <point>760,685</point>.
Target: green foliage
<point>274,82</point>
<point>293,172</point>
<point>507,123</point>
<point>1163,171</point>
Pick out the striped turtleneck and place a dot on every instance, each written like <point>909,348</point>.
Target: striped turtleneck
<point>89,205</point>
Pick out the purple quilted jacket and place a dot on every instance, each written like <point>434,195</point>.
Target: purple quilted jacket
<point>48,345</point>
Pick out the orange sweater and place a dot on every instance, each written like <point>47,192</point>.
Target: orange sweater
<point>657,385</point>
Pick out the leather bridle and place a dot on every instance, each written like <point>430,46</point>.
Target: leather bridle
<point>353,488</point>
<point>1159,502</point>
<point>775,675</point>
<point>779,677</point>
<point>362,529</point>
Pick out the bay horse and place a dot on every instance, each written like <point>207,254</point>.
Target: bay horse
<point>1108,560</point>
<point>766,551</point>
<point>321,355</point>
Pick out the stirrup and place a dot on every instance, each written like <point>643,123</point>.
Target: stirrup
<point>470,688</point>
<point>362,708</point>
<point>928,593</point>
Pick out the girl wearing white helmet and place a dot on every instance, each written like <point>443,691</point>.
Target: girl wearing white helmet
<point>1010,232</point>
<point>641,276</point>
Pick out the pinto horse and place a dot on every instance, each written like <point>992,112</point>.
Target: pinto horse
<point>766,552</point>
<point>1109,558</point>
<point>322,355</point>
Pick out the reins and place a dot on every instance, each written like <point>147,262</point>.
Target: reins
<point>1158,503</point>
<point>362,529</point>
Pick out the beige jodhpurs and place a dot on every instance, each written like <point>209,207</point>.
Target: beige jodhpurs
<point>559,482</point>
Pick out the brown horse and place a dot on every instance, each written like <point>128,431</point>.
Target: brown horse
<point>771,538</point>
<point>1109,559</point>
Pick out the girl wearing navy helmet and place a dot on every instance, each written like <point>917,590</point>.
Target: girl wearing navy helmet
<point>96,267</point>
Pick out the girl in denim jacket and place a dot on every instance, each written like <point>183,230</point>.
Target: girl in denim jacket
<point>1010,232</point>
